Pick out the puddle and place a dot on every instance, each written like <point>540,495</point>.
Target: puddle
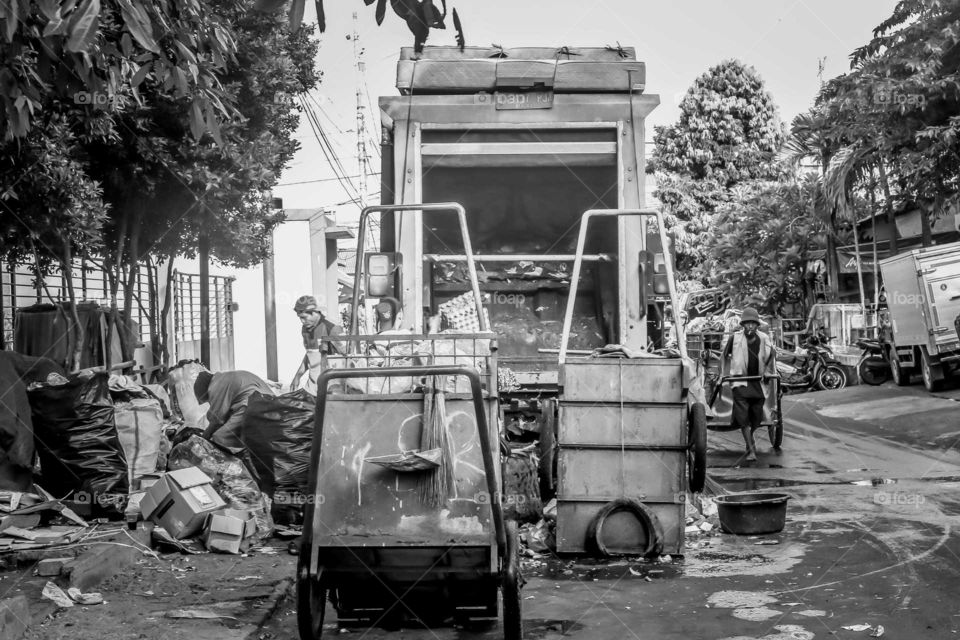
<point>754,484</point>
<point>812,613</point>
<point>712,564</point>
<point>783,632</point>
<point>636,569</point>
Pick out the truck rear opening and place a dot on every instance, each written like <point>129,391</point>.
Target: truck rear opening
<point>530,215</point>
<point>526,140</point>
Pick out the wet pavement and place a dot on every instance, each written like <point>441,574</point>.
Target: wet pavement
<point>871,540</point>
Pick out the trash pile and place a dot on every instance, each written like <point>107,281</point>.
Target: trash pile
<point>702,521</point>
<point>106,449</point>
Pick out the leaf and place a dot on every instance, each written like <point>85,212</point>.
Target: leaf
<point>296,14</point>
<point>49,8</point>
<point>139,76</point>
<point>56,27</point>
<point>196,120</point>
<point>11,20</point>
<point>83,27</point>
<point>321,16</point>
<point>139,25</point>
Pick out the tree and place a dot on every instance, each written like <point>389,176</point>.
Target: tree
<point>156,161</point>
<point>728,134</point>
<point>764,238</point>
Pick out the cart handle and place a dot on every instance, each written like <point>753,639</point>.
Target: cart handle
<point>723,379</point>
<point>435,207</point>
<point>578,263</point>
<point>427,370</point>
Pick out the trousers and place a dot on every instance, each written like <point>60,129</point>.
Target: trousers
<point>747,407</point>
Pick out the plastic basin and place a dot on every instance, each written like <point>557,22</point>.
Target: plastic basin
<point>752,513</point>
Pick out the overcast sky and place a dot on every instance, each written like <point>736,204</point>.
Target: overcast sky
<point>677,40</point>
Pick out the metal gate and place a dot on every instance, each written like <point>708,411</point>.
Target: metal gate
<point>186,319</point>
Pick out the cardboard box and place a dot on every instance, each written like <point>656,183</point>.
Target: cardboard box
<point>228,530</point>
<point>180,502</point>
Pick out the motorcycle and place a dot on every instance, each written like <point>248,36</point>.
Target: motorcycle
<point>816,369</point>
<point>873,367</point>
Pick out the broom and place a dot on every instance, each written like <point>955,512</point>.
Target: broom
<point>435,485</point>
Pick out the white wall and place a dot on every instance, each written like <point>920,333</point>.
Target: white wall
<point>292,280</point>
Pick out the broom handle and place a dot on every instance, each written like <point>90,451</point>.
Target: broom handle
<point>415,372</point>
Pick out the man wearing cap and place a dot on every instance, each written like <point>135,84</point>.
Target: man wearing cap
<point>315,326</point>
<point>753,354</point>
<point>228,393</point>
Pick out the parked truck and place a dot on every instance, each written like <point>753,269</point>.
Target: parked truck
<point>923,297</point>
<point>527,140</point>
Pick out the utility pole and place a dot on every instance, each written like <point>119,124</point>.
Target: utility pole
<point>363,157</point>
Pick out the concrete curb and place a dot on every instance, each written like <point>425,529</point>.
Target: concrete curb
<point>280,593</point>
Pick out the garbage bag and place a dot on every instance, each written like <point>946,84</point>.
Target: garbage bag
<point>140,427</point>
<point>278,432</point>
<point>16,427</point>
<point>180,384</point>
<point>231,478</point>
<point>76,438</point>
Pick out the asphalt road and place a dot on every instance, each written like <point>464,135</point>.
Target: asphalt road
<point>871,539</point>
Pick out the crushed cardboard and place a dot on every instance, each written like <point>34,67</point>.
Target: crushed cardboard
<point>180,501</point>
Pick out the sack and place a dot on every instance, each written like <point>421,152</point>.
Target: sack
<point>231,478</point>
<point>80,451</point>
<point>278,433</point>
<point>180,384</point>
<point>140,429</point>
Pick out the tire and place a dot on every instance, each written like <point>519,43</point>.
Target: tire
<point>874,376</point>
<point>775,432</point>
<point>831,378</point>
<point>932,373</point>
<point>512,599</point>
<point>548,449</point>
<point>311,602</point>
<point>899,373</point>
<point>697,454</point>
<point>647,518</point>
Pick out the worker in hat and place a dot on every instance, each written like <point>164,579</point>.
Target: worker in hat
<point>752,354</point>
<point>314,327</point>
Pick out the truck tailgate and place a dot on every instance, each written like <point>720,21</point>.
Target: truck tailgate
<point>941,277</point>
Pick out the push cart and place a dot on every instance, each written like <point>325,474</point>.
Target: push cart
<point>369,545</point>
<point>373,543</point>
<point>720,400</point>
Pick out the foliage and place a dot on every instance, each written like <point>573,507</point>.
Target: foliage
<point>729,130</point>
<point>763,239</point>
<point>93,54</point>
<point>161,156</point>
<point>728,133</point>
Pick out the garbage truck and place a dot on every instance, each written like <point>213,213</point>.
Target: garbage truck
<point>527,141</point>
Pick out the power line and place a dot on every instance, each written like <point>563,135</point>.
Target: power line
<point>290,184</point>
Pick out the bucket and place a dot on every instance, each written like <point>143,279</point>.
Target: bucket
<point>752,513</point>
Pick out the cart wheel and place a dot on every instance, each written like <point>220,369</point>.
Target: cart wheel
<point>311,602</point>
<point>775,431</point>
<point>697,454</point>
<point>512,618</point>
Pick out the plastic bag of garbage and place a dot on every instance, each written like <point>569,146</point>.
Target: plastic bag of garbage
<point>231,478</point>
<point>278,433</point>
<point>76,437</point>
<point>180,384</point>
